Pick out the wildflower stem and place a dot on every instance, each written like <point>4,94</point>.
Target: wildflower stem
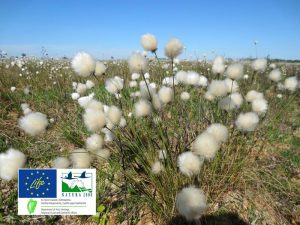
<point>172,70</point>
<point>147,86</point>
<point>154,52</point>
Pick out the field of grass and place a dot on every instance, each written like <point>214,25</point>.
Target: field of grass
<point>253,179</point>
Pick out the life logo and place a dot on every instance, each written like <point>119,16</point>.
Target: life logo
<point>76,184</point>
<point>37,183</point>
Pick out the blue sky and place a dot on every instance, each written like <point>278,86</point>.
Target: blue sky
<point>113,28</point>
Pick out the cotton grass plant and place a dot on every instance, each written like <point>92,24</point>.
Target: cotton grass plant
<point>170,152</point>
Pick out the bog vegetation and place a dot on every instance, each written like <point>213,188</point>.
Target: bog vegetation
<point>172,141</point>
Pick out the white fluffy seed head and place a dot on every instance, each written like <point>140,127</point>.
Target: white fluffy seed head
<point>100,68</point>
<point>181,76</point>
<point>149,42</point>
<point>275,75</point>
<point>94,120</point>
<point>94,142</point>
<point>114,85</point>
<point>114,115</point>
<point>189,164</point>
<point>260,106</point>
<point>191,203</point>
<point>291,84</point>
<point>192,78</point>
<point>144,91</point>
<point>185,96</point>
<point>173,48</point>
<point>218,65</point>
<point>237,99</point>
<point>133,84</point>
<point>157,167</point>
<point>24,106</point>
<point>202,81</point>
<point>94,104</point>
<point>232,85</point>
<point>75,96</point>
<point>156,102</point>
<point>259,65</point>
<point>83,64</point>
<point>89,84</point>
<point>247,122</point>
<point>205,145</point>
<point>81,159</point>
<point>137,63</point>
<point>235,71</point>
<point>219,131</point>
<point>232,101</point>
<point>61,163</point>
<point>142,108</point>
<point>10,162</point>
<point>218,88</point>
<point>34,123</point>
<point>165,94</point>
<point>123,122</point>
<point>252,95</point>
<point>208,96</point>
<point>135,76</point>
<point>81,88</point>
<point>27,111</point>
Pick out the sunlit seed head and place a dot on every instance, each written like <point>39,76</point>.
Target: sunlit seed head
<point>235,71</point>
<point>165,94</point>
<point>252,95</point>
<point>219,131</point>
<point>218,66</point>
<point>61,163</point>
<point>80,159</point>
<point>94,120</point>
<point>218,88</point>
<point>259,65</point>
<point>81,88</point>
<point>173,48</point>
<point>291,84</point>
<point>275,75</point>
<point>185,96</point>
<point>94,142</point>
<point>149,42</point>
<point>205,145</point>
<point>10,162</point>
<point>189,164</point>
<point>100,68</point>
<point>137,63</point>
<point>114,114</point>
<point>259,106</point>
<point>247,122</point>
<point>142,108</point>
<point>191,203</point>
<point>34,123</point>
<point>83,64</point>
<point>89,84</point>
<point>157,167</point>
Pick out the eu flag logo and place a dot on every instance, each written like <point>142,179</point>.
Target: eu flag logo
<point>37,183</point>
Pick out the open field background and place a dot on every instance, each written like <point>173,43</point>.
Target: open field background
<point>255,177</point>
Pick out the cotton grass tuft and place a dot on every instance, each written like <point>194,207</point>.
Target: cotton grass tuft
<point>10,162</point>
<point>149,42</point>
<point>83,64</point>
<point>34,123</point>
<point>247,122</point>
<point>191,203</point>
<point>189,164</point>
